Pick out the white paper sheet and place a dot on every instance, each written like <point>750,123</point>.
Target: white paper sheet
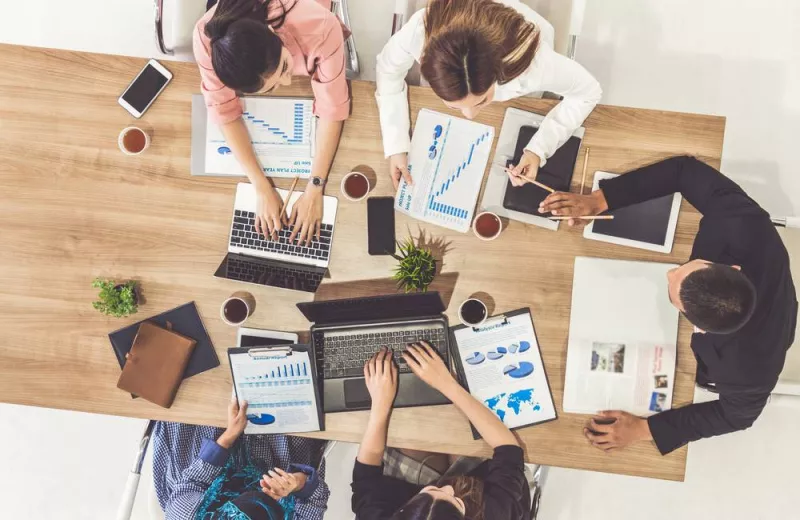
<point>447,161</point>
<point>504,370</point>
<point>279,391</point>
<point>282,132</point>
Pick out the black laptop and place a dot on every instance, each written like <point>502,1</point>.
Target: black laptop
<point>348,332</point>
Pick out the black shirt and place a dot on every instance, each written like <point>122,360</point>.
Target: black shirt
<point>505,489</point>
<point>734,230</point>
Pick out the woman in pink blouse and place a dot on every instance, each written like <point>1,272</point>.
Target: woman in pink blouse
<point>254,47</point>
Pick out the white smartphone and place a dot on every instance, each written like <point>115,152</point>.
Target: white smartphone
<point>247,337</point>
<point>145,88</point>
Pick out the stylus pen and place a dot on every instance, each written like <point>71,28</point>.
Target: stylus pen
<point>285,205</point>
<point>535,183</point>
<point>587,217</point>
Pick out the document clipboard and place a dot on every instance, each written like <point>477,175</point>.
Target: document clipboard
<point>500,364</point>
<point>285,373</point>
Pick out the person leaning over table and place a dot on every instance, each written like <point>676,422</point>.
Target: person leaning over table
<point>474,52</point>
<point>255,47</point>
<point>204,473</point>
<point>736,290</point>
<point>391,485</point>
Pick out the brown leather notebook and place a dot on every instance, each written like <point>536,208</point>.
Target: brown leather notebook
<point>154,367</point>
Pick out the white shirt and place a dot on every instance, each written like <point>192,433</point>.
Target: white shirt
<point>549,71</point>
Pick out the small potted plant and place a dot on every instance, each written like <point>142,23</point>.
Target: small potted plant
<point>116,299</point>
<point>417,267</point>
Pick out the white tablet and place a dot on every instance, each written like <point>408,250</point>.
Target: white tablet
<point>247,337</point>
<point>648,225</point>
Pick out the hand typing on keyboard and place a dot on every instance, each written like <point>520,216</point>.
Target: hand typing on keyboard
<point>428,365</point>
<point>306,216</point>
<point>269,215</point>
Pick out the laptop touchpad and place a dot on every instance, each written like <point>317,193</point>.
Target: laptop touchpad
<point>356,394</point>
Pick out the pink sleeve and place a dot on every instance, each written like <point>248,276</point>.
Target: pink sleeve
<point>329,83</point>
<point>223,104</point>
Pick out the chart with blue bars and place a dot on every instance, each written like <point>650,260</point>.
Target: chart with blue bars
<point>451,179</point>
<point>283,130</point>
<point>288,374</point>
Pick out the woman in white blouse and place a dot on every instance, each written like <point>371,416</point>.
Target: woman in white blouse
<point>473,52</point>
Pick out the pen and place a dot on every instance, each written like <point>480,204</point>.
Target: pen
<point>585,163</point>
<point>587,217</point>
<point>535,183</point>
<point>289,196</point>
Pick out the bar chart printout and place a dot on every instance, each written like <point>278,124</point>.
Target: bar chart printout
<point>447,161</point>
<point>281,131</point>
<point>279,391</point>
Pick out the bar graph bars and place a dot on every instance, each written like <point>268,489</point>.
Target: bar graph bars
<point>434,204</point>
<point>289,374</point>
<point>264,132</point>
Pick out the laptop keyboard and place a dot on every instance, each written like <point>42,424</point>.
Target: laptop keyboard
<point>243,234</point>
<point>345,355</point>
<point>246,270</point>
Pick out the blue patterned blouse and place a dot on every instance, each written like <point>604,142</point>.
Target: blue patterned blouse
<point>187,461</point>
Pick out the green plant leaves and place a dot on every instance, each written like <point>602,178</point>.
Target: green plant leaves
<point>416,268</point>
<point>113,301</point>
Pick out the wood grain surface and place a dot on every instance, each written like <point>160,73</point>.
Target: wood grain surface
<point>73,207</point>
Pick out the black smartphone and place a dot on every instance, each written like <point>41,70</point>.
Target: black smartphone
<point>380,225</point>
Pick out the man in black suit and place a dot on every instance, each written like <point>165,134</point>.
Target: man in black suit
<point>736,290</point>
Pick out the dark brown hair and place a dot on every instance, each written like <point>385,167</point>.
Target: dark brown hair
<point>243,48</point>
<point>471,44</point>
<point>718,298</point>
<point>424,507</point>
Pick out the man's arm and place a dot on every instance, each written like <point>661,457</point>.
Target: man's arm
<point>732,412</point>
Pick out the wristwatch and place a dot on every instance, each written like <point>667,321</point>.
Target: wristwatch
<point>319,182</point>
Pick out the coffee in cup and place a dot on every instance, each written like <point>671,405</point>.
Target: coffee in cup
<point>487,226</point>
<point>355,186</point>
<point>236,309</point>
<point>133,140</point>
<point>472,312</point>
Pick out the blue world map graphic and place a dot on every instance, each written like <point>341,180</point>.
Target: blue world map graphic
<point>514,402</point>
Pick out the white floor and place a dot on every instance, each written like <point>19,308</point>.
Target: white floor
<point>727,57</point>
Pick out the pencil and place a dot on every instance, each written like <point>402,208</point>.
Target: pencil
<point>585,164</point>
<point>597,217</point>
<point>535,183</point>
<point>285,204</point>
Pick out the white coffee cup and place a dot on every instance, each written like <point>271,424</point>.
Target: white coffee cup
<point>475,226</point>
<point>345,192</point>
<point>236,309</point>
<point>469,302</point>
<point>121,140</point>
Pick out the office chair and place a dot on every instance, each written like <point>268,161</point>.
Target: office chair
<point>182,15</point>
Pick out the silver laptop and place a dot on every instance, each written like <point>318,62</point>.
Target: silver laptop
<point>279,263</point>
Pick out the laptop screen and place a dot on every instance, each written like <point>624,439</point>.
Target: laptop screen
<point>390,307</point>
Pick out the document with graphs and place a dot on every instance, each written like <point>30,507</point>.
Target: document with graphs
<point>447,161</point>
<point>282,132</point>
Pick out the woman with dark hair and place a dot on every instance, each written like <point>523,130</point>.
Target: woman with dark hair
<point>403,485</point>
<point>473,52</point>
<point>255,47</point>
<point>204,473</point>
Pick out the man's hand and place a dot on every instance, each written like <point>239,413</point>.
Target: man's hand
<point>269,211</point>
<point>279,484</point>
<point>380,374</point>
<point>574,205</point>
<point>528,167</point>
<point>307,215</point>
<point>237,421</point>
<point>615,429</point>
<point>398,167</point>
<point>426,363</point>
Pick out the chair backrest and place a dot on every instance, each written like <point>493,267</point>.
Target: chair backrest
<point>789,381</point>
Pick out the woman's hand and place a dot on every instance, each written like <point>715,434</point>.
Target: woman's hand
<point>380,374</point>
<point>528,167</point>
<point>237,421</point>
<point>426,363</point>
<point>269,211</point>
<point>279,484</point>
<point>307,215</point>
<point>398,167</point>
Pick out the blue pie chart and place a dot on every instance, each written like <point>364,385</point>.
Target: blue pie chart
<point>524,346</point>
<point>513,348</point>
<point>502,350</point>
<point>494,355</point>
<point>476,358</point>
<point>261,419</point>
<point>517,372</point>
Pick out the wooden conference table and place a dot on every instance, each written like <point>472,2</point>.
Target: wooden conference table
<point>73,207</point>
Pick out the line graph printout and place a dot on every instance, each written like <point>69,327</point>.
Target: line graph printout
<point>447,161</point>
<point>282,132</point>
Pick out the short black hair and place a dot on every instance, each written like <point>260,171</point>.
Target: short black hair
<point>718,299</point>
<point>424,507</point>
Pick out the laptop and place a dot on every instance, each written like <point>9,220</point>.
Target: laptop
<point>348,332</point>
<point>253,259</point>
